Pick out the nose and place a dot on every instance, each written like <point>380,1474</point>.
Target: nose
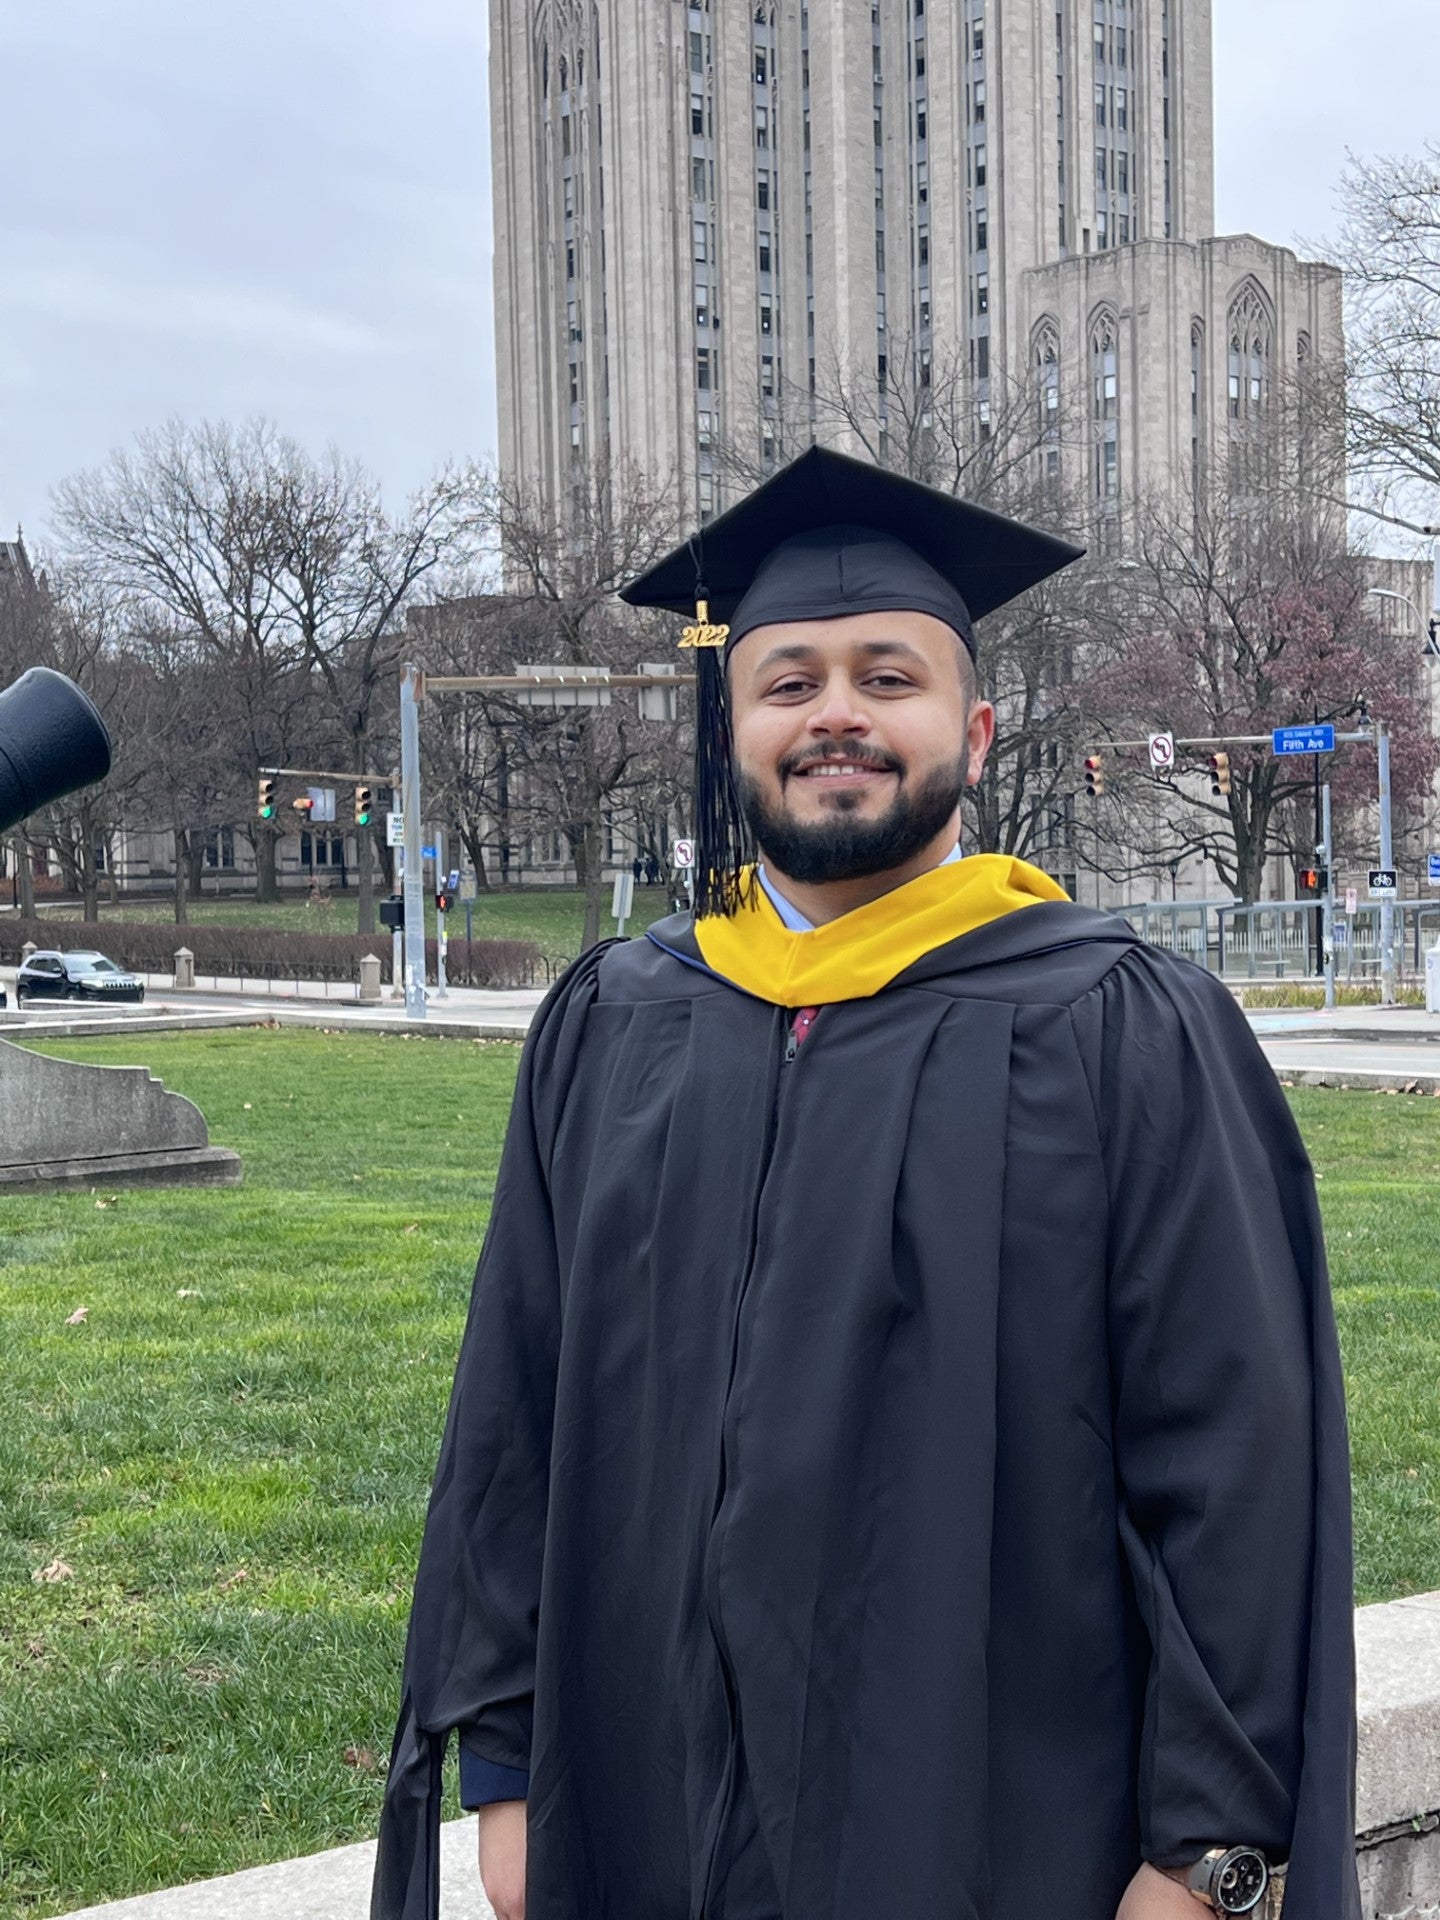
<point>838,715</point>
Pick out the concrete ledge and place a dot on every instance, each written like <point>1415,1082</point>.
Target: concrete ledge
<point>175,1167</point>
<point>325,1886</point>
<point>1397,1651</point>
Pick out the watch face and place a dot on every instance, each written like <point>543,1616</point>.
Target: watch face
<point>1240,1881</point>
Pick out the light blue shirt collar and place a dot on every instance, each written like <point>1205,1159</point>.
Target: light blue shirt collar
<point>792,918</point>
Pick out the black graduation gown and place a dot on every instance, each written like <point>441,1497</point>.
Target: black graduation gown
<point>907,1480</point>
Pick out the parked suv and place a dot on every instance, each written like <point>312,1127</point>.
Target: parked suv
<point>75,976</point>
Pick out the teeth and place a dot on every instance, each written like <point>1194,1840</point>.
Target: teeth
<point>831,771</point>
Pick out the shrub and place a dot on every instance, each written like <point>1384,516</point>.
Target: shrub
<point>268,953</point>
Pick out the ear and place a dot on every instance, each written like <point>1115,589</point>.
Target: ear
<point>979,738</point>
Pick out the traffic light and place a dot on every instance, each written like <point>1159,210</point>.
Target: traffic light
<point>1220,775</point>
<point>265,805</point>
<point>444,900</point>
<point>1094,776</point>
<point>364,806</point>
<point>1314,880</point>
<point>305,804</point>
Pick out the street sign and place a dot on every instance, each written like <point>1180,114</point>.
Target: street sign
<point>623,904</point>
<point>1304,739</point>
<point>1352,899</point>
<point>429,853</point>
<point>1384,883</point>
<point>1432,870</point>
<point>452,885</point>
<point>394,829</point>
<point>682,854</point>
<point>1162,752</point>
<point>322,805</point>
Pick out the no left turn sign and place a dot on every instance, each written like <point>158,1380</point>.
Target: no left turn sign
<point>1162,752</point>
<point>683,854</point>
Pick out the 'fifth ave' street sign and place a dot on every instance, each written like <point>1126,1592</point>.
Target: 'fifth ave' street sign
<point>1304,739</point>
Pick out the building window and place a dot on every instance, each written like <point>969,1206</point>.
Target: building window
<point>979,103</point>
<point>1122,108</point>
<point>982,232</point>
<point>767,314</point>
<point>1252,332</point>
<point>705,431</point>
<point>702,369</point>
<point>762,128</point>
<point>767,375</point>
<point>764,253</point>
<point>982,293</point>
<point>1099,106</point>
<point>700,232</point>
<point>980,157</point>
<point>1105,409</point>
<point>762,192</point>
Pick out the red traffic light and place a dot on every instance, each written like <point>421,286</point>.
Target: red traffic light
<point>304,805</point>
<point>444,901</point>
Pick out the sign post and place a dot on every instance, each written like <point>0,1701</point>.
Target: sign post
<point>623,904</point>
<point>442,989</point>
<point>1327,910</point>
<point>1432,870</point>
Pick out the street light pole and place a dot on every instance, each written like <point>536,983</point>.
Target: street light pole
<point>1387,905</point>
<point>412,686</point>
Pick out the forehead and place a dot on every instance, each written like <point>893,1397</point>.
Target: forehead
<point>856,634</point>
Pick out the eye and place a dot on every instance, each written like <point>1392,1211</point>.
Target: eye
<point>793,685</point>
<point>889,680</point>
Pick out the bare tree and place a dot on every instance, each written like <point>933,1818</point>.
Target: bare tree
<point>1253,616</point>
<point>584,764</point>
<point>1390,248</point>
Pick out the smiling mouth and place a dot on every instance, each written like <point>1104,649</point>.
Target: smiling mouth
<point>841,770</point>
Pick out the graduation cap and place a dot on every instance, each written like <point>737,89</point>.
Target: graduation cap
<point>828,536</point>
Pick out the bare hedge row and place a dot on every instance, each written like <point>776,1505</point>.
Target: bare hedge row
<point>269,953</point>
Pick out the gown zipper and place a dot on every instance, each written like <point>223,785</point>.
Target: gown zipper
<point>796,1033</point>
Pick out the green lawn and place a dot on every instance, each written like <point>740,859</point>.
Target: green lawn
<point>229,1458</point>
<point>553,917</point>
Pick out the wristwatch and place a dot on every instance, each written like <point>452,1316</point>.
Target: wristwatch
<point>1227,1879</point>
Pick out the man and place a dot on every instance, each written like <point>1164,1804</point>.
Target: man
<point>897,1461</point>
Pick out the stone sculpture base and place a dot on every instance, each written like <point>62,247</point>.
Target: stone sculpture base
<point>66,1124</point>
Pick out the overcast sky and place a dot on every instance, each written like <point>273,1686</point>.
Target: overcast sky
<point>214,208</point>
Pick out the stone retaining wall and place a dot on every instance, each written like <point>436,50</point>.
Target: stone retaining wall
<point>1397,1651</point>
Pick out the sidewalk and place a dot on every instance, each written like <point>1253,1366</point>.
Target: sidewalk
<point>322,1886</point>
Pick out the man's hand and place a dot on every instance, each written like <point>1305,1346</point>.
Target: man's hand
<point>1153,1896</point>
<point>502,1858</point>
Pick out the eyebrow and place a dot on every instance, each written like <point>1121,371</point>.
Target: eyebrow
<point>872,649</point>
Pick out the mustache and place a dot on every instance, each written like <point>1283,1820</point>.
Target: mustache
<point>874,758</point>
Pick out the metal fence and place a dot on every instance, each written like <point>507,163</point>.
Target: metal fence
<point>1279,939</point>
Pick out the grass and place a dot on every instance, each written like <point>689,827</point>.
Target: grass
<point>553,917</point>
<point>1296,994</point>
<point>231,1454</point>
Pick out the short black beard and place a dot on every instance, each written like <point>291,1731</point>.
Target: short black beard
<point>841,848</point>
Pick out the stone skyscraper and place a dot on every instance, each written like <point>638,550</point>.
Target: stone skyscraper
<point>706,212</point>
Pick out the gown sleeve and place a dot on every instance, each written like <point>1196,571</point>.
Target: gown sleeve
<point>1230,1441</point>
<point>470,1652</point>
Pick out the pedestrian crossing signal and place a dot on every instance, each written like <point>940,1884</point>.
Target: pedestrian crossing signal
<point>444,900</point>
<point>265,803</point>
<point>1220,775</point>
<point>305,804</point>
<point>1314,880</point>
<point>1094,776</point>
<point>364,806</point>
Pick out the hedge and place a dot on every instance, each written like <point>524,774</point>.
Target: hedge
<point>269,953</point>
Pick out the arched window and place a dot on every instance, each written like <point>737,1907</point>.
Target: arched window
<point>1197,394</point>
<point>1105,408</point>
<point>1045,360</point>
<point>1251,352</point>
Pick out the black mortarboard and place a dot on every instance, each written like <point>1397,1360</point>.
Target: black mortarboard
<point>827,537</point>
